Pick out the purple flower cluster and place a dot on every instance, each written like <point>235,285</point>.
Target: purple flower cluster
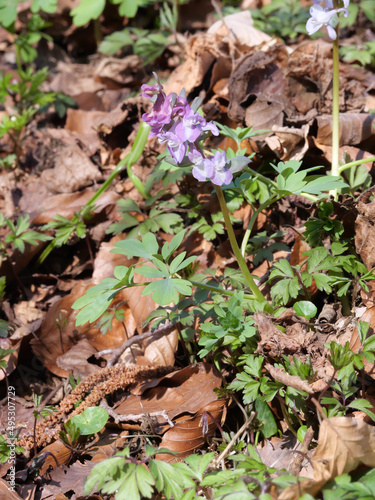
<point>327,16</point>
<point>175,123</point>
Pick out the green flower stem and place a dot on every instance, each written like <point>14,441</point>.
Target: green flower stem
<point>129,160</point>
<point>237,252</point>
<point>335,112</point>
<point>355,163</point>
<point>254,217</point>
<point>219,290</point>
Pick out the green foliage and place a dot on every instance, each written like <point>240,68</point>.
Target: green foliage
<point>6,450</point>
<point>324,225</point>
<point>238,134</point>
<point>147,44</point>
<point>359,487</point>
<point>305,308</point>
<point>19,234</point>
<point>209,230</point>
<point>91,420</point>
<point>3,354</point>
<point>9,162</point>
<point>364,55</point>
<point>230,326</point>
<point>8,9</point>
<point>292,180</point>
<point>125,477</point>
<point>157,218</point>
<point>65,228</point>
<point>106,320</point>
<point>262,246</point>
<point>128,478</point>
<point>366,6</point>
<point>86,11</point>
<point>326,268</point>
<point>165,290</point>
<point>285,19</point>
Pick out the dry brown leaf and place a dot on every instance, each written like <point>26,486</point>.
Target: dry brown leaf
<point>47,346</point>
<point>65,177</point>
<point>75,360</point>
<point>187,435</point>
<point>162,351</point>
<point>275,343</point>
<point>354,153</point>
<point>354,128</point>
<point>183,391</point>
<point>239,28</point>
<point>364,234</point>
<point>343,445</point>
<point>67,204</point>
<point>5,493</point>
<point>61,455</point>
<point>12,358</point>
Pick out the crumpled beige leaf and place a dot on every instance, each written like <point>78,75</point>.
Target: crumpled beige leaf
<point>343,445</point>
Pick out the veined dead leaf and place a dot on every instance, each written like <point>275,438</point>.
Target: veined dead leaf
<point>5,493</point>
<point>188,433</point>
<point>343,445</point>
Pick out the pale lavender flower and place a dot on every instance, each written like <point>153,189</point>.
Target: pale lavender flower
<point>190,128</point>
<point>324,17</point>
<point>180,127</point>
<point>221,175</point>
<point>202,169</point>
<point>177,148</point>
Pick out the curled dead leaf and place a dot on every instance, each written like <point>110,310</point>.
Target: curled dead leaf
<point>343,445</point>
<point>188,434</point>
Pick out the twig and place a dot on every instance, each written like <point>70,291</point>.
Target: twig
<point>296,463</point>
<point>135,417</point>
<point>226,452</point>
<point>116,353</point>
<point>289,380</point>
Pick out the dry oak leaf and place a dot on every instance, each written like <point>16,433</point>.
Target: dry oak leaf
<point>364,231</point>
<point>6,493</point>
<point>343,445</point>
<point>184,391</point>
<point>188,434</point>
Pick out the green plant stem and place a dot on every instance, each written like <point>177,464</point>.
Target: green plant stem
<point>129,160</point>
<point>335,112</point>
<point>254,217</point>
<point>260,176</point>
<point>351,164</point>
<point>237,252</point>
<point>219,290</point>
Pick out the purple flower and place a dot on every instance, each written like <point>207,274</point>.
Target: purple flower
<point>324,17</point>
<point>160,114</point>
<point>203,168</point>
<point>190,128</point>
<point>221,175</point>
<point>176,147</point>
<point>210,127</point>
<point>180,107</point>
<point>149,91</point>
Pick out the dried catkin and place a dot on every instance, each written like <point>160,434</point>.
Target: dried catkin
<point>92,390</point>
